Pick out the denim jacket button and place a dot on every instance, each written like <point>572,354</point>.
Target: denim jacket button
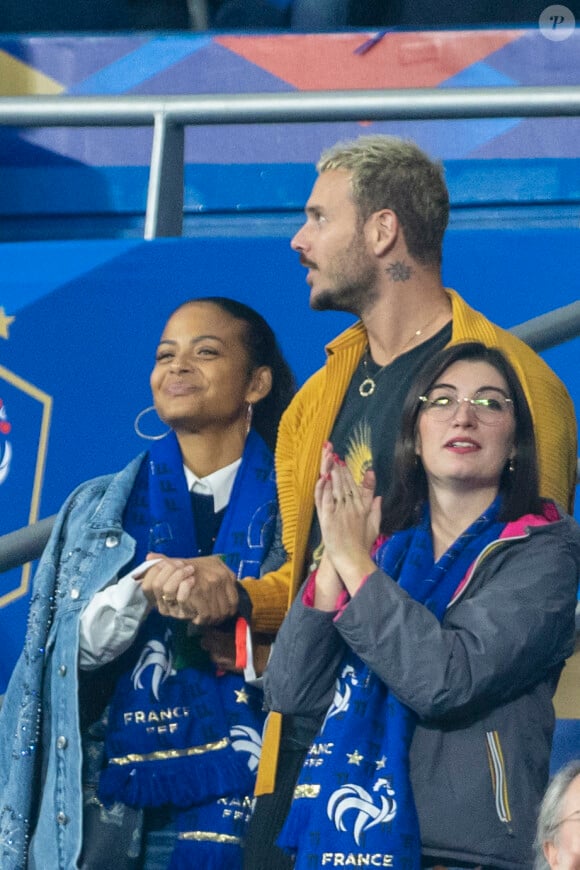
<point>61,743</point>
<point>62,818</point>
<point>111,541</point>
<point>62,670</point>
<point>74,594</point>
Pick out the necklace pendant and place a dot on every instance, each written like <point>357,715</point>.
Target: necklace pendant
<point>367,387</point>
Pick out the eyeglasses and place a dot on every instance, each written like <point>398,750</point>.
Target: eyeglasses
<point>490,406</point>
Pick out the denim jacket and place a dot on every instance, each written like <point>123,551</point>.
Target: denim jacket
<point>39,720</point>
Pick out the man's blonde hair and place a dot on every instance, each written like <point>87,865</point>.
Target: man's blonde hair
<point>388,172</point>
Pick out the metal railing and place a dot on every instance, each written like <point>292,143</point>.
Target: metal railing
<point>170,115</point>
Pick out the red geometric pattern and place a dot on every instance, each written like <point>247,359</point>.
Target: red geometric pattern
<point>398,60</point>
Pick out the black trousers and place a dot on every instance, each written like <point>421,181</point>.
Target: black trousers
<point>260,851</point>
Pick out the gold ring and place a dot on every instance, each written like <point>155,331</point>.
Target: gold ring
<point>169,601</point>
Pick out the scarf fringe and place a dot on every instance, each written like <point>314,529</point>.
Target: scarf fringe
<point>209,856</point>
<point>155,784</point>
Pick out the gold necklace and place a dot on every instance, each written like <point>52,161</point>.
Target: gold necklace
<point>369,383</point>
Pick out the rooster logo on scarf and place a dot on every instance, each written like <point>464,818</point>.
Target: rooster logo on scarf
<point>246,739</point>
<point>157,656</point>
<point>354,797</point>
<point>341,700</point>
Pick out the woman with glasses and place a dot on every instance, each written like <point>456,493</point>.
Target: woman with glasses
<point>432,662</point>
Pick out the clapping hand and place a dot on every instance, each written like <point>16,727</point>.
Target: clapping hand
<point>349,517</point>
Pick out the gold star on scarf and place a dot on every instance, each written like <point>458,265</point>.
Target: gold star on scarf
<point>242,696</point>
<point>381,764</point>
<point>5,322</point>
<point>354,757</point>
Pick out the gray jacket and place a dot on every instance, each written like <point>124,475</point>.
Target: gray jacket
<point>482,683</point>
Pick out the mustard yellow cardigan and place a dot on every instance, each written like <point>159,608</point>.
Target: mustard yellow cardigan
<point>308,422</point>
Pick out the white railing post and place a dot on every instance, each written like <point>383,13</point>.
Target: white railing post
<point>164,212</point>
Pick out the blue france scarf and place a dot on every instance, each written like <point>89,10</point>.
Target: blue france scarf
<point>354,802</point>
<point>179,734</point>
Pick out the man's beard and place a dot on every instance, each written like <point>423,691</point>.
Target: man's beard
<point>352,285</point>
<point>353,296</point>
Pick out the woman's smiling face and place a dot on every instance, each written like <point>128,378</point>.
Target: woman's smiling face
<point>202,374</point>
<point>462,450</point>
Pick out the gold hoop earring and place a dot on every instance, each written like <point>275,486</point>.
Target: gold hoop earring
<point>143,434</point>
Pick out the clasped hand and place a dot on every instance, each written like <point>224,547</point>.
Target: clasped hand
<point>202,590</point>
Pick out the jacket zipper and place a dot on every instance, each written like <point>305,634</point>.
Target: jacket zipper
<point>498,778</point>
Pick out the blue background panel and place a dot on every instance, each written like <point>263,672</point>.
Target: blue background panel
<point>88,316</point>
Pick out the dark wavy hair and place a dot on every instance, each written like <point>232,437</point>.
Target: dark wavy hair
<point>263,350</point>
<point>408,490</point>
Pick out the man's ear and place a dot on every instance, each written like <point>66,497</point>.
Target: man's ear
<point>384,229</point>
<point>260,385</point>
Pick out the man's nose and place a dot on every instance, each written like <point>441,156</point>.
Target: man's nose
<point>299,241</point>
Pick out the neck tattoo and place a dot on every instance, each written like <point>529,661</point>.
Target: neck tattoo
<point>399,271</point>
<point>369,384</point>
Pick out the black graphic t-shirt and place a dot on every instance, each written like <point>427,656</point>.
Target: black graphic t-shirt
<point>366,428</point>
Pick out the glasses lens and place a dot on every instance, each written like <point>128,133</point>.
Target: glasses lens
<point>440,403</point>
<point>489,405</point>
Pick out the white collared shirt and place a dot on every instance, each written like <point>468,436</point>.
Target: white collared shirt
<point>219,484</point>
